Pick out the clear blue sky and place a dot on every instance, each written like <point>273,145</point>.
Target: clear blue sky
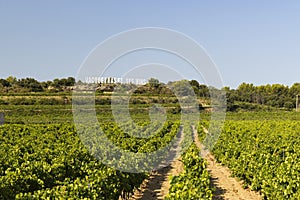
<point>254,41</point>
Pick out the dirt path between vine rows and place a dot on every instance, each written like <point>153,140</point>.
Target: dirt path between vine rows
<point>158,184</point>
<point>227,187</point>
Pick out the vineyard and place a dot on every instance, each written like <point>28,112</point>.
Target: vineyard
<point>194,182</point>
<point>43,158</point>
<point>264,154</point>
<point>50,161</point>
<point>149,100</point>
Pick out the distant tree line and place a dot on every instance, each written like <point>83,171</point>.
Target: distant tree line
<point>272,95</point>
<point>14,85</point>
<point>275,95</point>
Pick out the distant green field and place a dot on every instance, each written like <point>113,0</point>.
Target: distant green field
<point>56,114</point>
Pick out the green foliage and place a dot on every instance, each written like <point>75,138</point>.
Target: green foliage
<point>275,95</point>
<point>37,114</point>
<point>194,181</point>
<point>153,82</point>
<point>25,85</point>
<point>49,161</point>
<point>5,83</point>
<point>30,84</point>
<point>259,116</point>
<point>182,88</point>
<point>264,154</point>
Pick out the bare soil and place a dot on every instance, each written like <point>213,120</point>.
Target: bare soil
<point>158,184</point>
<point>227,187</point>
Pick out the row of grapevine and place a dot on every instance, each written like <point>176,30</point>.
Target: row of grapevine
<point>194,181</point>
<point>50,161</point>
<point>264,154</point>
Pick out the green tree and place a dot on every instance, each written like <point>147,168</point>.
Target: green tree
<point>31,84</point>
<point>12,80</point>
<point>182,88</point>
<point>246,92</point>
<point>294,90</point>
<point>195,85</point>
<point>153,82</point>
<point>5,83</point>
<point>203,91</point>
<point>70,81</point>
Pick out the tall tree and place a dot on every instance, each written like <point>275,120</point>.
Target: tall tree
<point>31,84</point>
